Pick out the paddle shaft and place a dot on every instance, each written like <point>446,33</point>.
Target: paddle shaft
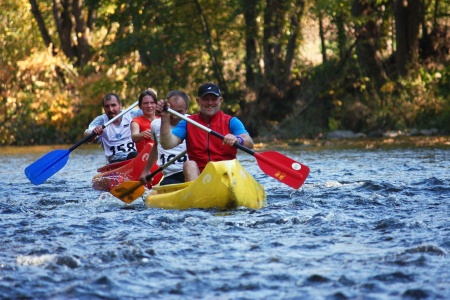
<point>274,164</point>
<point>104,126</point>
<point>209,130</point>
<point>52,162</point>
<point>149,176</point>
<point>123,192</point>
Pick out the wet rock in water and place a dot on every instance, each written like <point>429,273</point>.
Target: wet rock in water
<point>68,261</point>
<point>423,132</point>
<point>344,134</point>
<point>393,133</point>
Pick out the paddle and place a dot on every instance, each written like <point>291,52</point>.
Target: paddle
<point>131,190</point>
<point>274,164</point>
<point>52,162</point>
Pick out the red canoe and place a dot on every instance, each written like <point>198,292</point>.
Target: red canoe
<point>113,166</point>
<point>112,175</point>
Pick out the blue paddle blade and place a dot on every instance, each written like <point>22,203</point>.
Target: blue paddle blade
<point>46,166</point>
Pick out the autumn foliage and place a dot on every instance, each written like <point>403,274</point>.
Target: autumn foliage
<point>288,68</point>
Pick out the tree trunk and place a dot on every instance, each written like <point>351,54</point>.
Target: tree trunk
<point>341,34</point>
<point>294,28</point>
<point>368,47</point>
<point>217,66</point>
<point>46,36</point>
<point>63,19</point>
<point>407,25</point>
<point>92,14</point>
<point>41,24</point>
<point>82,34</point>
<point>253,70</point>
<point>273,18</point>
<point>279,48</point>
<point>323,46</point>
<point>278,64</point>
<point>434,44</point>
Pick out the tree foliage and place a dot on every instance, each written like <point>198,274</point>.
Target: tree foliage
<point>383,63</point>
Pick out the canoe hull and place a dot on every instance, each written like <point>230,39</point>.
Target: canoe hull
<point>224,185</point>
<point>113,166</point>
<point>129,171</point>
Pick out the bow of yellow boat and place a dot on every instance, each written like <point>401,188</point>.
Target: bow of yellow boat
<point>223,185</point>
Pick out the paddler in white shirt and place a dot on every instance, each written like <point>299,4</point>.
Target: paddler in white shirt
<point>116,138</point>
<point>179,101</point>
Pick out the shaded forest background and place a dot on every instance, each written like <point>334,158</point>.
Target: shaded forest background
<point>288,68</point>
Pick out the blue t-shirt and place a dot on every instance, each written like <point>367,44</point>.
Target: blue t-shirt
<point>236,128</point>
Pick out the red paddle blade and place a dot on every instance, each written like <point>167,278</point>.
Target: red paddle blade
<point>282,168</point>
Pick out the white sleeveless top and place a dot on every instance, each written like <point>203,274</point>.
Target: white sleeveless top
<point>116,140</point>
<point>165,155</point>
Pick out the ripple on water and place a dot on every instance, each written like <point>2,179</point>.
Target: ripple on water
<point>367,224</point>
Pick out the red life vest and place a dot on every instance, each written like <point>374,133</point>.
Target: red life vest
<point>144,124</point>
<point>204,147</point>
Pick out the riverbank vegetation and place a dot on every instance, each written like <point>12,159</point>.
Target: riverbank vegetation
<point>290,69</point>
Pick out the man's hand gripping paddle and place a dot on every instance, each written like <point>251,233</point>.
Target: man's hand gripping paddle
<point>131,190</point>
<point>46,166</point>
<point>274,164</point>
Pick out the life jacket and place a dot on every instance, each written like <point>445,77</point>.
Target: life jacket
<point>144,124</point>
<point>204,147</point>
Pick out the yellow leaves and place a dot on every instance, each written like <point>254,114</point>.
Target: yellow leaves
<point>337,102</point>
<point>41,69</point>
<point>128,64</point>
<point>388,87</point>
<point>10,101</point>
<point>38,75</point>
<point>39,83</point>
<point>117,73</point>
<point>35,105</point>
<point>57,109</point>
<point>361,83</point>
<point>40,117</point>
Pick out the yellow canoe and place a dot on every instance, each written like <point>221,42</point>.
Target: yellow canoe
<point>223,185</point>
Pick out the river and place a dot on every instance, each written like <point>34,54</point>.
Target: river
<point>367,224</point>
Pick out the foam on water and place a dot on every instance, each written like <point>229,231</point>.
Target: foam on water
<point>367,224</point>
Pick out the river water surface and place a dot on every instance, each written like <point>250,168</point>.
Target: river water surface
<point>367,224</point>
